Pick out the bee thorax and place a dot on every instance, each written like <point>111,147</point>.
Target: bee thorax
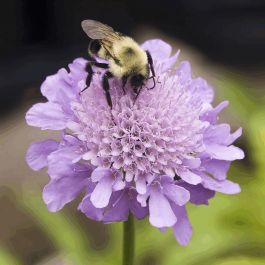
<point>131,57</point>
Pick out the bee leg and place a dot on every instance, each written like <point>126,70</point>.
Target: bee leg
<point>154,84</point>
<point>100,65</point>
<point>137,92</point>
<point>90,71</point>
<point>150,62</point>
<point>89,74</point>
<point>105,84</point>
<point>124,81</point>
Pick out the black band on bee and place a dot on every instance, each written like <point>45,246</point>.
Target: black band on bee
<point>94,46</point>
<point>137,80</point>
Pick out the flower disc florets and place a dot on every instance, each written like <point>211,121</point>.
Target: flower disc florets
<point>155,134</point>
<point>149,156</point>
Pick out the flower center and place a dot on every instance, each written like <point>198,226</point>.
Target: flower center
<point>155,134</point>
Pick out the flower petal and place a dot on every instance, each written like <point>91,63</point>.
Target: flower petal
<point>221,152</point>
<point>225,186</point>
<point>38,152</point>
<point>142,198</point>
<point>198,194</point>
<point>176,194</point>
<point>118,209</point>
<point>62,161</point>
<point>77,72</point>
<point>61,191</point>
<point>70,153</point>
<point>217,168</point>
<point>90,210</point>
<point>159,49</point>
<point>55,83</point>
<point>138,211</point>
<point>183,73</point>
<point>118,184</point>
<point>202,89</point>
<point>101,195</point>
<point>217,134</point>
<point>64,98</point>
<point>182,229</point>
<point>220,134</point>
<point>211,115</point>
<point>140,184</point>
<point>168,63</point>
<point>192,163</point>
<point>46,116</point>
<point>100,173</point>
<point>161,214</point>
<point>190,177</point>
<point>232,137</point>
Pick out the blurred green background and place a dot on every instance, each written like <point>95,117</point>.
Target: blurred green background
<point>230,231</point>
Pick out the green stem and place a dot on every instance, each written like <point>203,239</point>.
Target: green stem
<point>128,241</point>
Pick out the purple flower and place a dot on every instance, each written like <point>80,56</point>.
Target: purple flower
<point>149,157</point>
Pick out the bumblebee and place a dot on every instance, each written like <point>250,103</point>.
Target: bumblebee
<point>127,61</point>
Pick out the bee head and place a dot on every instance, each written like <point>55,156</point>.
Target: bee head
<point>137,80</point>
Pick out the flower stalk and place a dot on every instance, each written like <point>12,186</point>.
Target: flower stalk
<point>128,241</point>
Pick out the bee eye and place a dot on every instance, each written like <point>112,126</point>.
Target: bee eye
<point>136,80</point>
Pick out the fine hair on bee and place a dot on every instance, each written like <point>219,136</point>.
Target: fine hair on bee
<point>126,60</point>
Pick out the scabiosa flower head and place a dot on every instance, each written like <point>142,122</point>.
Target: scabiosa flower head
<point>149,156</point>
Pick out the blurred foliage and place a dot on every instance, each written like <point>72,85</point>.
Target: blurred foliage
<point>7,258</point>
<point>230,231</point>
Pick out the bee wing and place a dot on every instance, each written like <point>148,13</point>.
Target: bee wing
<point>99,31</point>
